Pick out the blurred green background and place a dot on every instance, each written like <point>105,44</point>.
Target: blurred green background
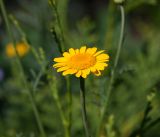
<point>91,22</point>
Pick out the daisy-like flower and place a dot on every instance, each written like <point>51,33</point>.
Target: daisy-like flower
<point>82,62</point>
<point>22,49</point>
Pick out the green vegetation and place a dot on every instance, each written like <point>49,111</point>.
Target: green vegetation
<point>36,101</point>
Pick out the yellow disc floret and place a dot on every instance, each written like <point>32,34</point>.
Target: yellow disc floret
<point>81,61</point>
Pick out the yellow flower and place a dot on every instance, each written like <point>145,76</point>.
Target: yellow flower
<point>22,49</point>
<point>82,62</point>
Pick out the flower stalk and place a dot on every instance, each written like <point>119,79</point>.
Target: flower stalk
<point>35,110</point>
<point>69,96</point>
<point>54,91</point>
<point>120,43</point>
<point>60,40</point>
<point>83,105</point>
<point>117,55</point>
<point>63,118</point>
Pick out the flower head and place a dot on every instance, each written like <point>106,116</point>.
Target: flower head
<point>82,62</point>
<point>22,49</point>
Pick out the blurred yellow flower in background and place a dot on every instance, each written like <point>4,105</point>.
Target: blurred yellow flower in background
<point>82,62</point>
<point>22,49</point>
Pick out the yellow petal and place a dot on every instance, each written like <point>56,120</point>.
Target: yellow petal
<point>77,51</point>
<point>102,57</point>
<point>86,71</point>
<point>97,73</point>
<point>82,49</point>
<point>10,51</point>
<point>71,51</point>
<point>61,64</point>
<point>101,66</point>
<point>66,54</point>
<point>101,61</point>
<point>22,48</point>
<point>69,71</point>
<point>93,69</point>
<point>78,74</point>
<point>60,59</point>
<point>88,50</point>
<point>92,50</point>
<point>84,75</point>
<point>62,68</point>
<point>99,52</point>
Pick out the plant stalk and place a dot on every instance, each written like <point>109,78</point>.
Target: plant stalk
<point>69,92</point>
<point>54,91</point>
<point>35,110</point>
<point>63,118</point>
<point>37,116</point>
<point>120,43</point>
<point>60,43</point>
<point>83,105</point>
<point>62,39</point>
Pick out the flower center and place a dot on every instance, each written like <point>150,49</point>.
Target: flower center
<point>82,61</point>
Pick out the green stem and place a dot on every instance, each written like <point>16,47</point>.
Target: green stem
<point>40,74</point>
<point>146,113</point>
<point>83,104</point>
<point>62,40</point>
<point>53,87</point>
<point>117,56</point>
<point>17,25</point>
<point>64,15</point>
<point>4,13</point>
<point>104,113</point>
<point>144,122</point>
<point>151,125</point>
<point>69,104</point>
<point>31,95</point>
<point>36,113</point>
<point>110,25</point>
<point>64,122</point>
